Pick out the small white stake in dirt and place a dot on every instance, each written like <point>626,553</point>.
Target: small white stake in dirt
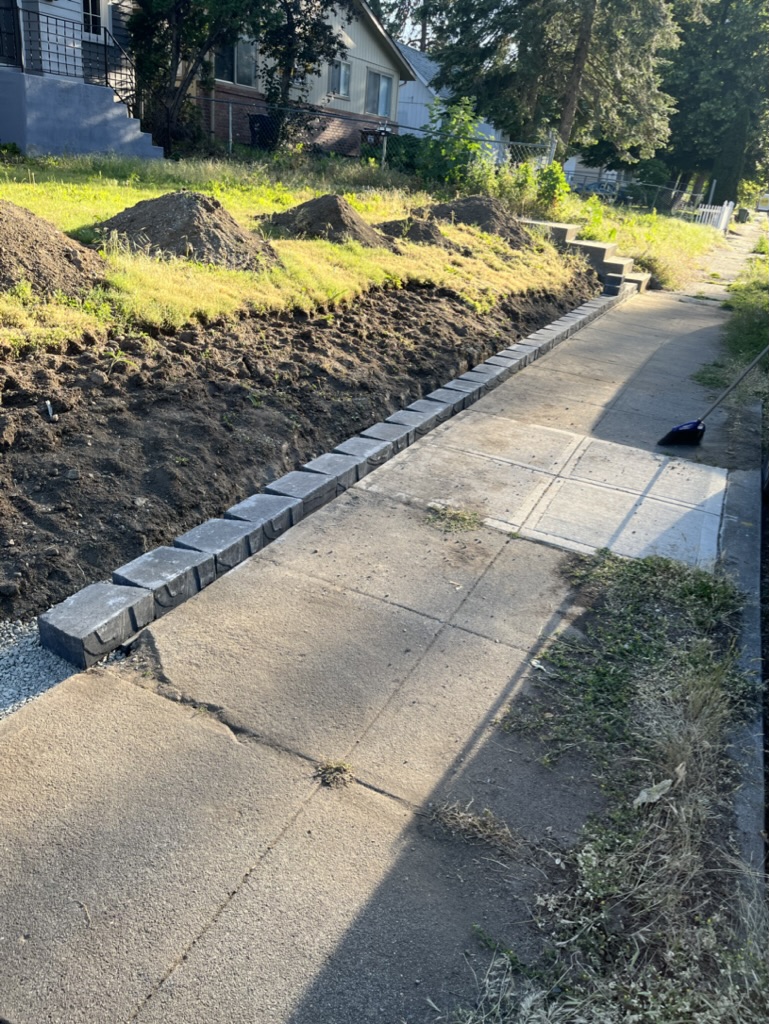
<point>49,407</point>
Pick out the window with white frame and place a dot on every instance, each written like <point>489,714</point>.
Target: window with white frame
<point>379,91</point>
<point>339,79</point>
<point>93,18</point>
<point>237,63</point>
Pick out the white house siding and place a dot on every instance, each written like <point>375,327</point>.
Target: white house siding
<point>364,53</point>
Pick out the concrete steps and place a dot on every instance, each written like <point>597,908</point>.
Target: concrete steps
<point>49,114</point>
<point>613,270</point>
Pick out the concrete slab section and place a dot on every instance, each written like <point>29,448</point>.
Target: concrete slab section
<point>380,919</point>
<point>501,438</point>
<point>521,597</point>
<point>441,715</point>
<point>172,575</point>
<point>651,474</point>
<point>585,517</point>
<point>293,659</point>
<point>127,822</point>
<point>388,550</point>
<point>274,513</point>
<point>499,491</point>
<point>228,540</point>
<point>94,621</point>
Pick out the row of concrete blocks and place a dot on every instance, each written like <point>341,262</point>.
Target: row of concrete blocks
<point>95,621</point>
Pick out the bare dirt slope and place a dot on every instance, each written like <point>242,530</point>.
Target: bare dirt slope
<point>151,439</point>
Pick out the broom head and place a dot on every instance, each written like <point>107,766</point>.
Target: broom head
<point>686,433</point>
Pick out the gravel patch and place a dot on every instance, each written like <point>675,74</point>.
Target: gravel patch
<point>26,670</point>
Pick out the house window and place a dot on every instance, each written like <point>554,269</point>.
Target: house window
<point>236,64</point>
<point>379,90</point>
<point>92,17</point>
<point>339,79</point>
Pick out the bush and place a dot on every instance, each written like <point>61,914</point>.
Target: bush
<point>454,148</point>
<point>552,186</point>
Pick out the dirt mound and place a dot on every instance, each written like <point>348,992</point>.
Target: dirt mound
<point>424,232</point>
<point>192,226</point>
<point>32,249</point>
<point>329,217</point>
<point>488,214</point>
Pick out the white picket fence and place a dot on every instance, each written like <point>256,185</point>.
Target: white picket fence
<point>715,216</point>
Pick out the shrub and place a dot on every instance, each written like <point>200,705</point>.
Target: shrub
<point>552,186</point>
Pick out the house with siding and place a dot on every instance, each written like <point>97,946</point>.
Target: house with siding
<point>355,95</point>
<point>66,80</point>
<point>417,96</point>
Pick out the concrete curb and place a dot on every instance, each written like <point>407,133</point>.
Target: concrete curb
<point>86,627</point>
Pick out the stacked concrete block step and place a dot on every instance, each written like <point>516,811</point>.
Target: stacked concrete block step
<point>100,618</point>
<point>613,270</point>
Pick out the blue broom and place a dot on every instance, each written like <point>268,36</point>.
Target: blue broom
<point>694,431</point>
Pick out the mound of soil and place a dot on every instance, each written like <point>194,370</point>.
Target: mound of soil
<point>192,226</point>
<point>423,232</point>
<point>172,433</point>
<point>329,217</point>
<point>32,249</point>
<point>486,213</point>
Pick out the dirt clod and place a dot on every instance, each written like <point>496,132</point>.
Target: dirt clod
<point>329,217</point>
<point>421,231</point>
<point>33,250</point>
<point>486,213</point>
<point>192,226</point>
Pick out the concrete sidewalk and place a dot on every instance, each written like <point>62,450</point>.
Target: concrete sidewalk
<point>167,855</point>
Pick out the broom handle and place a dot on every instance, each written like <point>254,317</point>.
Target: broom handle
<point>732,386</point>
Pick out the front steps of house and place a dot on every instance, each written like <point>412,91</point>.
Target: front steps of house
<point>613,270</point>
<point>51,114</point>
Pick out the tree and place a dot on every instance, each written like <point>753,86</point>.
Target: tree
<point>592,67</point>
<point>296,41</point>
<point>173,40</point>
<point>718,79</point>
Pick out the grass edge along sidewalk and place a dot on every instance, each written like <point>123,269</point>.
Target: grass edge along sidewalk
<point>654,919</point>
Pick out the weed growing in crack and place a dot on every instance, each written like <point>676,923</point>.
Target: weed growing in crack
<point>453,520</point>
<point>484,827</point>
<point>334,774</point>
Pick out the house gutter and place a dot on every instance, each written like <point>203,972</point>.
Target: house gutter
<point>22,46</point>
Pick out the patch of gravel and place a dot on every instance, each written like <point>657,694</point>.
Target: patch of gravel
<point>192,226</point>
<point>26,670</point>
<point>34,250</point>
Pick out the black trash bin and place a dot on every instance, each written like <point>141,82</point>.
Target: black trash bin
<point>743,215</point>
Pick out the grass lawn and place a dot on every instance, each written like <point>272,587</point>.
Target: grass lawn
<point>143,294</point>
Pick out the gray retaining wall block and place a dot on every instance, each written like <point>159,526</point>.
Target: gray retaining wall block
<point>375,452</point>
<point>400,435</point>
<point>94,621</point>
<point>172,575</point>
<point>473,391</point>
<point>487,381</point>
<point>272,512</point>
<point>345,469</point>
<point>422,422</point>
<point>456,399</point>
<point>495,374</point>
<point>230,541</point>
<point>313,489</point>
<point>443,410</point>
<point>526,353</point>
<point>508,366</point>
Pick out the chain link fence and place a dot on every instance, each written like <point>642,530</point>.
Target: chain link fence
<point>235,122</point>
